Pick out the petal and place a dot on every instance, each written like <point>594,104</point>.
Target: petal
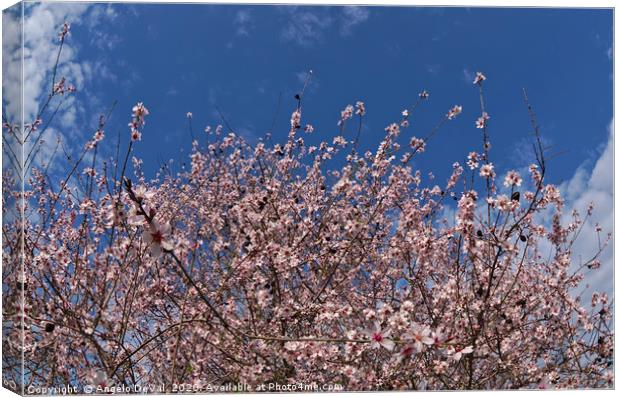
<point>417,345</point>
<point>147,237</point>
<point>155,250</point>
<point>388,344</point>
<point>165,228</point>
<point>167,246</point>
<point>427,340</point>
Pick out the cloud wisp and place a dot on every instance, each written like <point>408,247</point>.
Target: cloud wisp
<point>40,44</point>
<point>244,22</point>
<point>306,26</point>
<point>351,17</point>
<point>596,187</point>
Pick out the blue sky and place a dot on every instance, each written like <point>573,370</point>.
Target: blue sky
<point>180,58</point>
<point>241,59</point>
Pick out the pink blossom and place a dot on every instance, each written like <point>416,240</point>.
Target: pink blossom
<point>379,338</point>
<point>139,111</point>
<point>59,87</point>
<point>296,119</point>
<point>455,354</point>
<point>346,114</point>
<point>98,137</point>
<point>512,179</point>
<point>417,144</point>
<point>486,171</point>
<point>455,111</point>
<point>472,160</point>
<point>479,78</point>
<point>420,335</point>
<point>360,109</point>
<point>439,336</point>
<point>481,122</point>
<point>405,352</point>
<point>115,214</point>
<point>64,31</point>
<point>157,238</point>
<point>142,193</point>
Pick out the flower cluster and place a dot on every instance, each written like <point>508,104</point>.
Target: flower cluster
<point>64,31</point>
<point>97,137</point>
<point>454,111</point>
<point>479,78</point>
<point>61,87</point>
<point>138,113</point>
<point>360,109</point>
<point>487,171</point>
<point>512,179</point>
<point>296,119</point>
<point>345,115</point>
<point>481,122</point>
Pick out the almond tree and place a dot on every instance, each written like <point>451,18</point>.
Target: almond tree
<point>267,263</point>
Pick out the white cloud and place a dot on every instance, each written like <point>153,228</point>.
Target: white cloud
<point>351,17</point>
<point>587,185</point>
<point>433,69</point>
<point>301,76</point>
<point>243,22</point>
<point>468,75</point>
<point>100,37</point>
<point>305,26</point>
<point>594,187</point>
<point>42,23</point>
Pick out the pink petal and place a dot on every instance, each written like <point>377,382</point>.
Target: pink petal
<point>147,237</point>
<point>388,344</point>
